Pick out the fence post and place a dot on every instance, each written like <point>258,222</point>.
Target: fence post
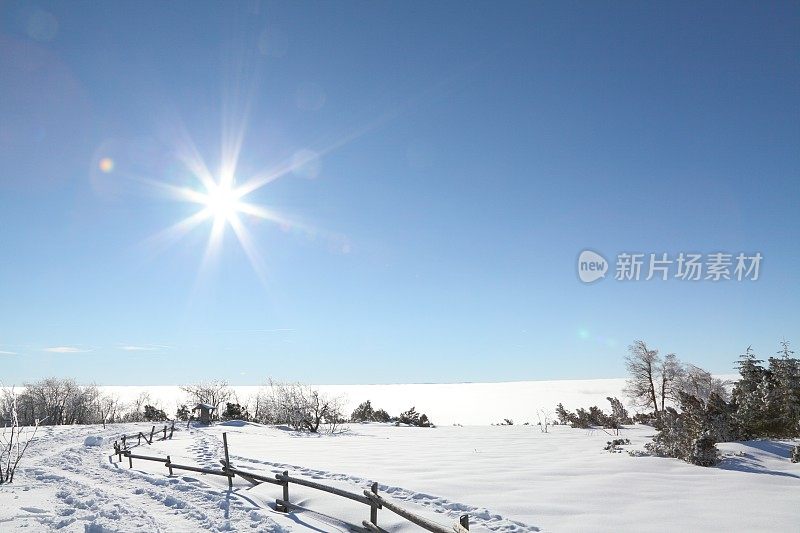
<point>165,432</point>
<point>227,460</point>
<point>464,521</point>
<point>172,430</point>
<point>373,508</point>
<point>124,446</point>
<point>151,434</point>
<point>169,465</point>
<point>285,479</point>
<point>130,460</point>
<point>139,436</point>
<point>119,451</point>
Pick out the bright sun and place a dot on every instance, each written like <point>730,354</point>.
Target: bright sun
<point>225,205</point>
<point>222,201</point>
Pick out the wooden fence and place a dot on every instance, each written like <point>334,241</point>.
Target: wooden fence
<point>122,442</point>
<point>370,498</point>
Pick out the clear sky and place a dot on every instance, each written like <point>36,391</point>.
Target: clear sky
<point>434,170</point>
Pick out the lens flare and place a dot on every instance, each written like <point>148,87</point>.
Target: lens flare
<point>106,164</point>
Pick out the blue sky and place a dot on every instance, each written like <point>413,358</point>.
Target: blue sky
<point>449,162</point>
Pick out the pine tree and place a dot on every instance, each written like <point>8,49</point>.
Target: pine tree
<point>720,422</point>
<point>618,412</point>
<point>785,370</point>
<point>363,413</point>
<point>564,416</point>
<point>182,413</point>
<point>749,394</point>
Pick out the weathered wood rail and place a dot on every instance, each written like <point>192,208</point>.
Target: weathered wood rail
<point>371,497</point>
<point>122,443</point>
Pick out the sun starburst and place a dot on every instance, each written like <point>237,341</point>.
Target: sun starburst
<point>221,203</point>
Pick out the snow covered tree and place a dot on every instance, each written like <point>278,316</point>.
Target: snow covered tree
<point>671,439</point>
<point>618,411</point>
<point>720,422</point>
<point>785,371</point>
<point>59,401</point>
<point>703,452</point>
<point>751,408</point>
<point>693,380</point>
<point>14,438</point>
<point>642,364</point>
<point>692,433</point>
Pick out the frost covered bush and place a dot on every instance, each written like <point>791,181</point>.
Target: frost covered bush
<point>692,433</point>
<point>153,414</point>
<point>365,413</point>
<point>413,418</point>
<point>703,452</point>
<point>183,412</point>
<point>234,411</point>
<point>298,406</point>
<point>595,416</point>
<point>381,416</point>
<point>613,446</point>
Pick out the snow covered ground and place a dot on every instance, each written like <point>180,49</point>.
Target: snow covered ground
<point>507,478</point>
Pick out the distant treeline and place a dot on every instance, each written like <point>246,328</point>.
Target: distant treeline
<point>62,401</point>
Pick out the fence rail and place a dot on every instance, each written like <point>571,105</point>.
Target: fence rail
<point>121,442</point>
<point>370,497</point>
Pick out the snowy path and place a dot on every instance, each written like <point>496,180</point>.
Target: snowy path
<point>90,493</point>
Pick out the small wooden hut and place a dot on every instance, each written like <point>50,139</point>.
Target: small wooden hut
<point>202,413</point>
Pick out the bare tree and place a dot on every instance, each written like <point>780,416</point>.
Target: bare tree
<point>134,411</point>
<point>58,401</point>
<point>670,369</point>
<point>107,407</point>
<point>213,393</point>
<point>643,364</point>
<point>545,417</point>
<point>699,383</point>
<point>298,406</point>
<point>14,440</point>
